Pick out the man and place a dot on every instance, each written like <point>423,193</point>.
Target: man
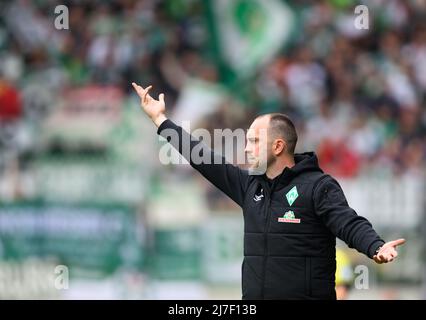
<point>292,213</point>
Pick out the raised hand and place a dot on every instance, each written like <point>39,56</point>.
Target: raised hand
<point>155,109</point>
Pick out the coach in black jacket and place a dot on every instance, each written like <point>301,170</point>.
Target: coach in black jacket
<point>292,213</point>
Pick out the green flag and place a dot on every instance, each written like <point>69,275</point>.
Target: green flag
<point>250,32</point>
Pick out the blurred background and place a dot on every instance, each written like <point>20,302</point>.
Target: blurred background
<point>81,184</point>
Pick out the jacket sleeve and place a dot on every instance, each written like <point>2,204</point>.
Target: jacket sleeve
<point>332,207</point>
<point>228,178</point>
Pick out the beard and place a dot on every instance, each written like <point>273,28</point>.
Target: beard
<point>252,162</point>
<point>259,164</point>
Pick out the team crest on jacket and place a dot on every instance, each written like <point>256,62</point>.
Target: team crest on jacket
<point>292,195</point>
<point>289,218</point>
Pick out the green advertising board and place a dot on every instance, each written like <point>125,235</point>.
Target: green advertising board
<point>89,240</point>
<point>176,254</point>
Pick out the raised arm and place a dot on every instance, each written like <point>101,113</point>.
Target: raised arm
<point>228,178</point>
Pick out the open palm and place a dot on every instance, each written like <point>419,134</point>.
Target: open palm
<point>387,252</point>
<point>153,108</point>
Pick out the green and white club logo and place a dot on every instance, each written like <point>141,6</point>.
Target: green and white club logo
<point>292,195</point>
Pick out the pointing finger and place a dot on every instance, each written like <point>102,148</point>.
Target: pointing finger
<point>397,242</point>
<point>136,88</point>
<point>139,89</point>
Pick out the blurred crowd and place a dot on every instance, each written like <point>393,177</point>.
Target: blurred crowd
<point>357,96</point>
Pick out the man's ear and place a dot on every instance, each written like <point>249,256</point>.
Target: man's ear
<point>280,146</point>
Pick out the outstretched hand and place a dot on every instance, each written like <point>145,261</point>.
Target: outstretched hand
<point>155,109</point>
<point>387,252</point>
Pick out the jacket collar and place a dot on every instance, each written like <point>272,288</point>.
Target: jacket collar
<point>304,162</point>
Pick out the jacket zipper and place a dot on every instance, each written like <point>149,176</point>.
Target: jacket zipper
<point>267,222</point>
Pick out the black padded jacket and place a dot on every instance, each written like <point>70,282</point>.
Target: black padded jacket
<point>290,224</point>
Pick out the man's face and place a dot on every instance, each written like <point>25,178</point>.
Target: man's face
<point>257,151</point>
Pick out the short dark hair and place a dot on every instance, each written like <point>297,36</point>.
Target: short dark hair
<point>281,126</point>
